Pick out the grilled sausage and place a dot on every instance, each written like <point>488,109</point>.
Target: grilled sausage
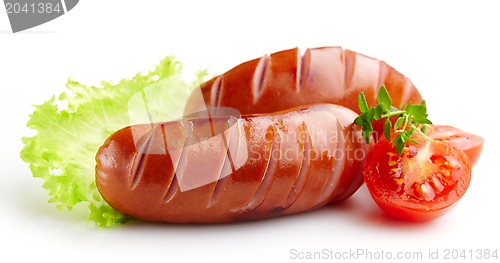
<point>212,170</point>
<point>288,79</point>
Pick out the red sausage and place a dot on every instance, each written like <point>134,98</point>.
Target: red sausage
<point>211,170</point>
<point>288,79</point>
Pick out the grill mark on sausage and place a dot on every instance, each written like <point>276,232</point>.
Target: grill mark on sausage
<point>215,96</point>
<point>347,65</point>
<point>259,77</point>
<point>301,179</point>
<point>269,174</point>
<point>305,64</point>
<point>221,184</point>
<point>138,163</point>
<point>219,189</point>
<point>173,187</point>
<point>298,73</point>
<point>338,167</point>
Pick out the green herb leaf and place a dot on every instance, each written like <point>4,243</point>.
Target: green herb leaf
<point>424,128</point>
<point>387,129</point>
<point>392,109</point>
<point>367,131</point>
<point>417,110</point>
<point>409,132</point>
<point>409,139</point>
<point>362,104</point>
<point>379,110</point>
<point>409,119</point>
<point>370,114</point>
<point>383,98</point>
<point>359,121</point>
<point>400,143</point>
<point>421,120</point>
<point>398,123</point>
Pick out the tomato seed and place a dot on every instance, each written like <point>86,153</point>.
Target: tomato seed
<point>437,185</point>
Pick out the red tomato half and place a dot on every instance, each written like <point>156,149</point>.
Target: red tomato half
<point>471,144</point>
<point>422,183</point>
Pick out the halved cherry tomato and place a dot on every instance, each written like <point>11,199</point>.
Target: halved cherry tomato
<point>422,183</point>
<point>471,144</point>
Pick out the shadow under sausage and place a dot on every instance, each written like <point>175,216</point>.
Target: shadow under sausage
<point>358,211</point>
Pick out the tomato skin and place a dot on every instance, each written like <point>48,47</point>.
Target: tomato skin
<point>408,214</point>
<point>470,143</point>
<point>402,204</point>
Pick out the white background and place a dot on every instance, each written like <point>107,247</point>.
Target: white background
<point>450,50</point>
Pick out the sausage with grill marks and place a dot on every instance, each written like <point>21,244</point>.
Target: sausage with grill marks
<point>218,169</point>
<point>288,79</point>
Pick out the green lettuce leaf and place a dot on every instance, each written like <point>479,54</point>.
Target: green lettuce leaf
<point>62,152</point>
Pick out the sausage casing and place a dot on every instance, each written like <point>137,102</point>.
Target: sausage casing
<point>288,79</point>
<point>211,170</point>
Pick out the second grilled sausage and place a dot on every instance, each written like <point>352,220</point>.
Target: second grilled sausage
<point>287,79</point>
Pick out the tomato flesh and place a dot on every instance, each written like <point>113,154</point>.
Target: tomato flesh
<point>470,143</point>
<point>422,183</point>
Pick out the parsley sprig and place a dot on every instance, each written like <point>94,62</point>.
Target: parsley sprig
<point>409,119</point>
